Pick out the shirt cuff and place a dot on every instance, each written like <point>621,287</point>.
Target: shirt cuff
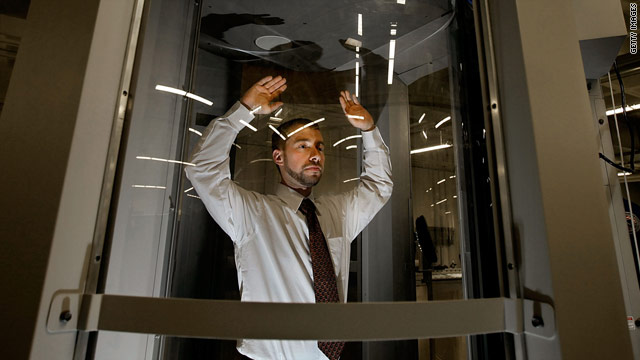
<point>236,113</point>
<point>372,139</point>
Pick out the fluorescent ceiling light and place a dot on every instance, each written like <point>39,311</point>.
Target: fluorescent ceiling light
<point>619,110</point>
<point>277,132</point>
<point>278,113</point>
<point>401,2</point>
<point>199,98</point>
<point>430,148</point>
<point>306,126</point>
<point>424,133</point>
<point>452,176</point>
<point>148,186</point>
<point>352,147</point>
<point>393,32</point>
<point>347,138</point>
<point>392,55</point>
<point>626,173</point>
<point>392,49</point>
<point>455,196</point>
<point>164,160</point>
<point>248,125</point>
<point>355,117</point>
<point>441,181</point>
<point>353,42</point>
<point>171,90</point>
<point>195,131</point>
<point>256,109</point>
<point>443,121</point>
<point>236,145</point>
<point>360,24</point>
<point>275,118</point>
<point>193,196</point>
<point>422,117</point>
<point>346,181</point>
<point>184,93</point>
<point>189,189</point>
<point>357,78</point>
<point>441,201</point>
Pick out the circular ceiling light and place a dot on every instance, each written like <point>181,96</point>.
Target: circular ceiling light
<point>269,42</point>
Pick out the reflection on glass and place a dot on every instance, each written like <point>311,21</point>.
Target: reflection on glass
<point>430,148</point>
<point>184,93</point>
<point>164,160</point>
<point>149,186</point>
<point>396,57</point>
<point>305,126</point>
<point>346,138</point>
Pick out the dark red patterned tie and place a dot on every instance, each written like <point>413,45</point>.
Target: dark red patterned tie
<point>324,277</point>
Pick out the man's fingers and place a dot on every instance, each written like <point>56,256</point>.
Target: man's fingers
<point>262,89</point>
<point>280,90</point>
<point>274,87</point>
<point>355,100</point>
<point>264,80</point>
<point>348,95</point>
<point>272,82</point>
<point>343,103</point>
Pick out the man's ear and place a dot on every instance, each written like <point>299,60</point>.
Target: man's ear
<point>278,157</point>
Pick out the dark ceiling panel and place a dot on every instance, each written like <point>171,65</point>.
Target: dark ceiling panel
<point>17,8</point>
<point>316,27</point>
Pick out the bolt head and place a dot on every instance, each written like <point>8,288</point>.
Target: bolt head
<point>537,321</point>
<point>65,316</point>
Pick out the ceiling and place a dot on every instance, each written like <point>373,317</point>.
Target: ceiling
<point>318,30</point>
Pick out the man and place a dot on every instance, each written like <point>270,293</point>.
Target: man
<point>291,246</point>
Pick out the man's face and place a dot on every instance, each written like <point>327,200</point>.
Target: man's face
<point>302,159</point>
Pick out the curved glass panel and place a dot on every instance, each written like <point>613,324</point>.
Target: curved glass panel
<point>203,211</point>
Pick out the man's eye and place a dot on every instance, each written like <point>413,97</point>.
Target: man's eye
<point>321,149</point>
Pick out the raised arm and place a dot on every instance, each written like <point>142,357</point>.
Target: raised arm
<point>210,175</point>
<point>375,186</point>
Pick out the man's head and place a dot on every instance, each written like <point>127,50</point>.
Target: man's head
<point>301,156</point>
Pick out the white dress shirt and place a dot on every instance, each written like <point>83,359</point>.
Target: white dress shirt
<point>270,235</point>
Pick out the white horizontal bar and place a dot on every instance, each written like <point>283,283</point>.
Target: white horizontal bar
<point>221,319</point>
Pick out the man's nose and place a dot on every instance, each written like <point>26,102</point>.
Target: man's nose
<point>315,155</point>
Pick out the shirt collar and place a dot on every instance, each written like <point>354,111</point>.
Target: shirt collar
<point>292,198</point>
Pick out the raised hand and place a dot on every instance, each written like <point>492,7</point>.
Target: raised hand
<point>357,115</point>
<point>263,92</point>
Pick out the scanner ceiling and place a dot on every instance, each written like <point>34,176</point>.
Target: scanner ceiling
<point>316,29</point>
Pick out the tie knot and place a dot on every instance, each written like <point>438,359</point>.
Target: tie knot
<point>307,207</point>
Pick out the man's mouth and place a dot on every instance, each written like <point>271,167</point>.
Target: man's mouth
<point>313,168</point>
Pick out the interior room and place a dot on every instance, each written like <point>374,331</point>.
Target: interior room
<point>473,226</point>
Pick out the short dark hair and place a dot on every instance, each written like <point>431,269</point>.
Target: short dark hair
<point>286,128</point>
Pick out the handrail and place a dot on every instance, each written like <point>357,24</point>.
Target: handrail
<point>221,319</point>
